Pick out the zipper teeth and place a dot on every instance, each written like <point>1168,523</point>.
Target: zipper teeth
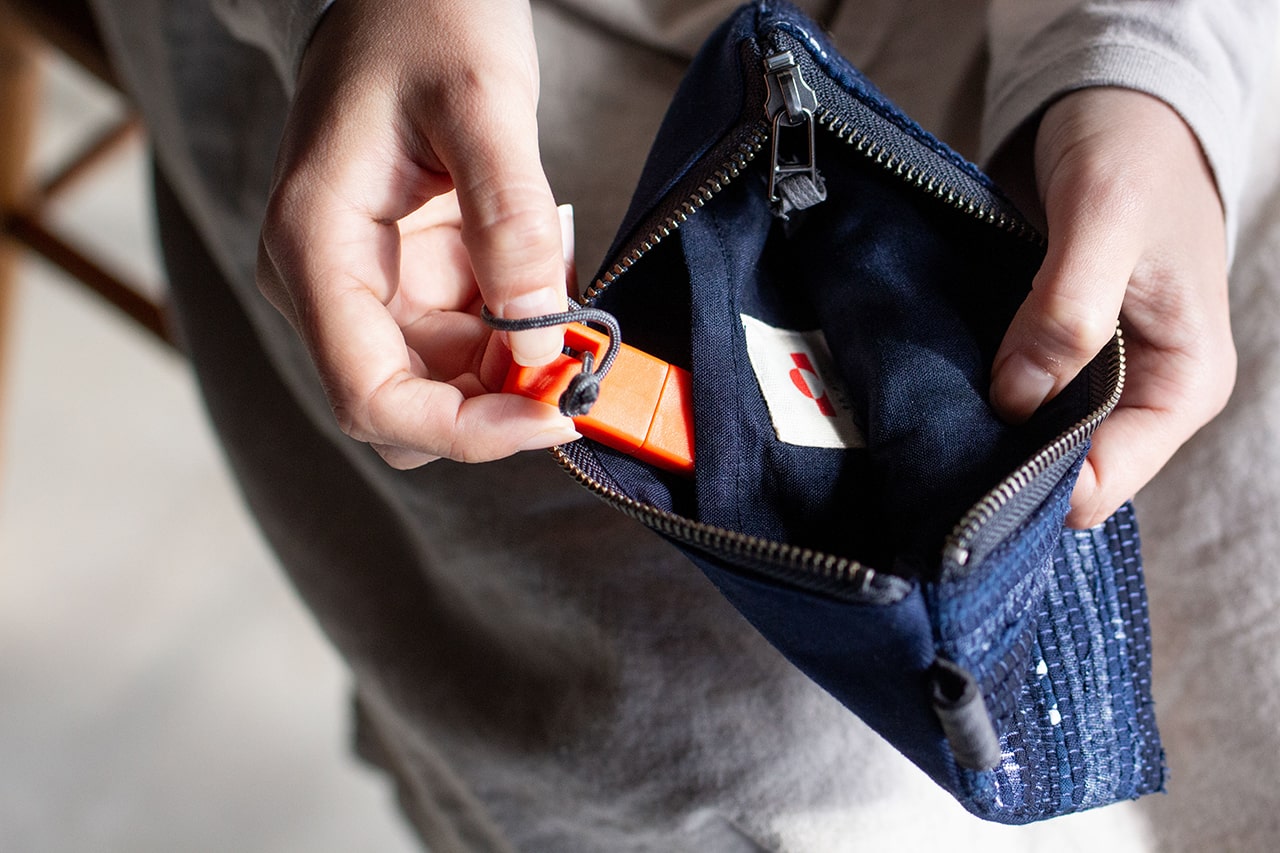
<point>729,170</point>
<point>957,547</point>
<point>840,573</point>
<point>922,178</point>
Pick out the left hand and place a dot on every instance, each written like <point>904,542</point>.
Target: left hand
<point>1136,232</point>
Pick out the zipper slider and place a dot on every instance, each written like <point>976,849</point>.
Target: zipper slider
<point>794,182</point>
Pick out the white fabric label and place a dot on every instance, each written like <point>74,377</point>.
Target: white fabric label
<point>807,402</point>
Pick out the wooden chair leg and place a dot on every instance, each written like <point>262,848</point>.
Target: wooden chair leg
<point>19,93</point>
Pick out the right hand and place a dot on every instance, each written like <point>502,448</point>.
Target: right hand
<point>408,191</point>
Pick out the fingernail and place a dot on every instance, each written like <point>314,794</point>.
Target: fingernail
<point>565,211</point>
<point>562,433</point>
<point>1019,388</point>
<point>535,346</point>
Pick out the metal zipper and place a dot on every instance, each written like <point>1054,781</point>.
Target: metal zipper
<point>790,104</point>
<point>747,143</point>
<point>923,179</point>
<point>840,577</point>
<point>956,549</point>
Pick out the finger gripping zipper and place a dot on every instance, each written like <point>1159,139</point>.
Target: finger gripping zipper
<point>584,389</point>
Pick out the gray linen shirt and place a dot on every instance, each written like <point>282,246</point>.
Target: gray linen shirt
<point>537,672</point>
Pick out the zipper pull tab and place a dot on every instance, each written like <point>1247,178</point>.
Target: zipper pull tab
<point>794,182</point>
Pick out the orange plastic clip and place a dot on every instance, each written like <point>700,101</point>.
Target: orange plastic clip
<point>645,406</point>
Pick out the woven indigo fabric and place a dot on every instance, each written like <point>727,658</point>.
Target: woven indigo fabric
<point>922,574</point>
<point>1083,718</point>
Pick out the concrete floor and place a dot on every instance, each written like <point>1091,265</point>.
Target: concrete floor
<point>161,688</point>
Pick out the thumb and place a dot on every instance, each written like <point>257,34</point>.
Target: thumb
<point>510,225</point>
<point>1075,300</point>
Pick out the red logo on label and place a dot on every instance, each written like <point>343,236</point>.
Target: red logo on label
<point>810,384</point>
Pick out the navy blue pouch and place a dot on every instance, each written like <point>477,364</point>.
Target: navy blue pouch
<point>837,282</point>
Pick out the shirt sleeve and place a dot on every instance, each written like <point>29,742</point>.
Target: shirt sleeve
<point>281,28</point>
<point>1207,59</point>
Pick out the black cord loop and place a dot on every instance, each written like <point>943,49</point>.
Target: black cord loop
<point>584,389</point>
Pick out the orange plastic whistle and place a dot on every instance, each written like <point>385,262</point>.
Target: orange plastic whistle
<point>645,407</point>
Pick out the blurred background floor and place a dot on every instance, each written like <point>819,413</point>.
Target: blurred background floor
<point>161,688</point>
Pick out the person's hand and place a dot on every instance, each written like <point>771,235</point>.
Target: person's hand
<point>1135,230</point>
<point>409,191</point>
